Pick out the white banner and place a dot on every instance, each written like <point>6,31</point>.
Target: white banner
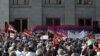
<point>97,36</point>
<point>44,37</point>
<point>12,35</point>
<point>71,35</point>
<point>82,34</point>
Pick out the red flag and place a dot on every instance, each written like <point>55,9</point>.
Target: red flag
<point>25,33</point>
<point>55,39</point>
<point>61,32</point>
<point>28,32</point>
<point>9,27</point>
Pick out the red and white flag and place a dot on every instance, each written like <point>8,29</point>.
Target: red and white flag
<point>9,27</point>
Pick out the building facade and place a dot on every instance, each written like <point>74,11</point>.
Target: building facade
<point>28,13</point>
<point>4,13</point>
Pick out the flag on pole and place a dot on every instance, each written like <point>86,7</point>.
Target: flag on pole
<point>9,27</point>
<point>28,32</point>
<point>25,33</point>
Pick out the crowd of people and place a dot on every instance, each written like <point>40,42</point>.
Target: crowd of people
<point>33,45</point>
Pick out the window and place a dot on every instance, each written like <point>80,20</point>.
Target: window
<point>88,22</point>
<point>21,24</point>
<point>85,2</point>
<point>17,23</point>
<point>84,22</point>
<point>52,1</point>
<point>53,21</point>
<point>81,22</point>
<point>20,2</point>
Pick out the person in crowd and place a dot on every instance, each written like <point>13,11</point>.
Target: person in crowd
<point>69,48</point>
<point>11,48</point>
<point>75,54</point>
<point>39,51</point>
<point>78,48</point>
<point>50,51</point>
<point>90,51</point>
<point>84,49</point>
<point>19,51</point>
<point>60,52</point>
<point>30,52</point>
<point>25,51</point>
<point>96,47</point>
<point>12,53</point>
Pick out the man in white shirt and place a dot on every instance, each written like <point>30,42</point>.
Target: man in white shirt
<point>19,51</point>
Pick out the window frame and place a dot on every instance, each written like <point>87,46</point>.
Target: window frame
<point>83,2</point>
<point>53,21</point>
<point>85,21</point>
<point>16,2</point>
<point>56,2</point>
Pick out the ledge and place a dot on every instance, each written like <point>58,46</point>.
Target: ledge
<point>53,6</point>
<point>20,6</point>
<point>85,6</point>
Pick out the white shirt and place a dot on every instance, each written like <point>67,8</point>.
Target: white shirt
<point>10,49</point>
<point>98,53</point>
<point>31,54</point>
<point>24,53</point>
<point>18,53</point>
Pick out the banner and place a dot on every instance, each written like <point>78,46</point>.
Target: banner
<point>71,35</point>
<point>44,37</point>
<point>82,34</point>
<point>12,35</point>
